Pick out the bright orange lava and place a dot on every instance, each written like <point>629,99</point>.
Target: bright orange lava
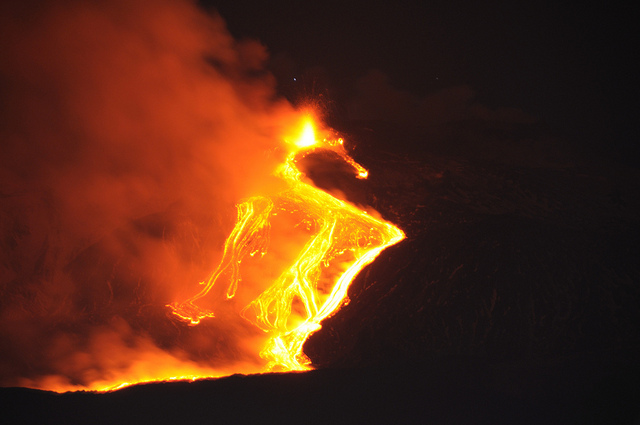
<point>325,243</point>
<point>343,240</point>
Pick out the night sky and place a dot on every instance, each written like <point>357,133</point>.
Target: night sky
<point>567,66</point>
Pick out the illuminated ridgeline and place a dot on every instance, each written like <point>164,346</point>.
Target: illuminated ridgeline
<point>342,241</point>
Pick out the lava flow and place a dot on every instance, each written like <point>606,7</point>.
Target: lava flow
<point>135,127</point>
<point>336,240</point>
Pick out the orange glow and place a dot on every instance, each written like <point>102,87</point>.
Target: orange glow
<point>286,265</point>
<point>308,136</point>
<point>119,191</point>
<point>341,240</point>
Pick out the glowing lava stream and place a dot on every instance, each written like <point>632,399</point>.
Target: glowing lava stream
<point>344,239</point>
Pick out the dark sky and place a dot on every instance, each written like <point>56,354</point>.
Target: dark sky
<point>568,66</point>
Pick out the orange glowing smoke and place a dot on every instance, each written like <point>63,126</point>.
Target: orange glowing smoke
<point>134,127</point>
<point>341,240</point>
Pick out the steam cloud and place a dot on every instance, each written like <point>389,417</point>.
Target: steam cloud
<point>128,131</point>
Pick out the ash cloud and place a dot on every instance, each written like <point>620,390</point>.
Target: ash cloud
<point>128,131</point>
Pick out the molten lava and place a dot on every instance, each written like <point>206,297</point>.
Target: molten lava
<point>117,191</point>
<point>339,240</point>
<point>286,266</point>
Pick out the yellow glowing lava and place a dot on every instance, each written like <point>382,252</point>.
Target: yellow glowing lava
<point>308,136</point>
<point>342,240</point>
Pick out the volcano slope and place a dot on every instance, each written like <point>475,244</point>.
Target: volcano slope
<point>514,299</point>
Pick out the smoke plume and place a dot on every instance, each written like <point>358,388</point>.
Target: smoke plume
<point>128,131</point>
